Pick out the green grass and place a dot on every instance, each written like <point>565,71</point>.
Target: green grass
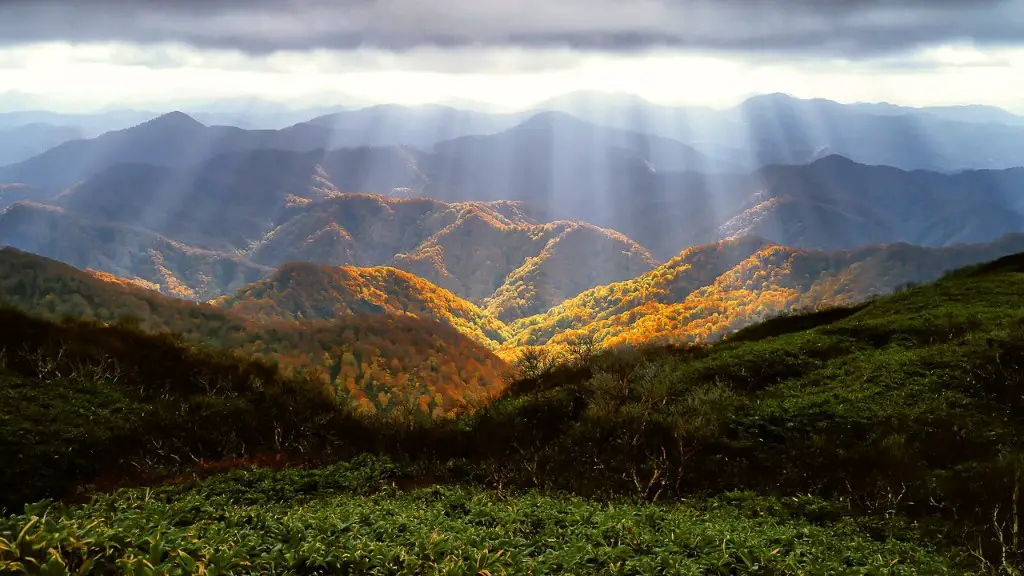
<point>325,522</point>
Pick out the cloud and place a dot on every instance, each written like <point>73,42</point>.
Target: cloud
<point>830,28</point>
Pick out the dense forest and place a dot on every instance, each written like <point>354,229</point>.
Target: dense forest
<point>300,291</point>
<point>374,361</point>
<point>709,291</point>
<point>878,438</point>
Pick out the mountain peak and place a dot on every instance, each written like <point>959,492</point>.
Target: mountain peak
<point>553,119</point>
<point>174,119</point>
<point>773,97</point>
<point>594,98</point>
<point>834,160</point>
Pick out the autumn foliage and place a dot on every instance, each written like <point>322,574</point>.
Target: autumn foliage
<point>374,361</point>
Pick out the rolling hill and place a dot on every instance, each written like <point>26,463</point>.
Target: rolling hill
<point>493,253</point>
<point>709,291</point>
<point>176,269</point>
<point>374,361</point>
<point>19,143</point>
<point>817,443</point>
<point>301,291</point>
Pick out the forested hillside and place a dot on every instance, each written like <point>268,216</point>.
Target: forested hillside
<point>376,361</point>
<point>190,241</point>
<point>709,291</point>
<point>300,291</point>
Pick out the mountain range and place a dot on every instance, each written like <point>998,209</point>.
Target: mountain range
<point>763,130</point>
<point>510,230</point>
<point>664,194</point>
<point>493,253</point>
<point>658,303</point>
<point>307,315</point>
<point>780,129</point>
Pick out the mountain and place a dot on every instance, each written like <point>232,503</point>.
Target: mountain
<point>830,204</point>
<point>555,141</point>
<point>301,291</point>
<point>709,291</point>
<point>278,206</point>
<point>976,113</point>
<point>792,130</point>
<point>417,126</point>
<point>494,254</point>
<point>173,268</point>
<point>267,208</point>
<point>177,140</point>
<point>835,203</point>
<point>780,129</point>
<point>22,142</point>
<point>174,140</point>
<point>89,124</point>
<point>374,360</point>
<point>699,126</point>
<point>228,202</point>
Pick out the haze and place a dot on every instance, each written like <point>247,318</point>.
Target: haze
<point>165,55</point>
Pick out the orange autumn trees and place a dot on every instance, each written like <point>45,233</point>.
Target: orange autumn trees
<point>374,361</point>
<point>708,291</point>
<point>300,291</point>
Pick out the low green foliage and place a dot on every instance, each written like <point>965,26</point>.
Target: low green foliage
<point>325,522</point>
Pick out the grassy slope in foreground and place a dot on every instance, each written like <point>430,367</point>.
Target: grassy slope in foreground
<point>351,520</point>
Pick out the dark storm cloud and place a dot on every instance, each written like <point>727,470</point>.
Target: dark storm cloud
<point>851,28</point>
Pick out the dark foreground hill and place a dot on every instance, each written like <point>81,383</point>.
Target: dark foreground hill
<point>879,439</point>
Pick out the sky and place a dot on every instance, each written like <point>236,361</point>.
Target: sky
<point>506,54</point>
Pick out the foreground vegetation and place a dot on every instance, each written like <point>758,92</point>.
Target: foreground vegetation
<point>348,519</point>
<point>884,438</point>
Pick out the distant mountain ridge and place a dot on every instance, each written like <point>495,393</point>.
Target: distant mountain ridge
<point>494,254</point>
<point>25,141</point>
<point>781,129</point>
<point>273,206</point>
<point>705,293</point>
<point>663,193</point>
<point>515,221</point>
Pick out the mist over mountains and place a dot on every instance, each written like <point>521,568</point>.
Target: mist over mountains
<point>516,213</point>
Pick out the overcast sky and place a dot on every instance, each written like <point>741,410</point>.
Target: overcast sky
<point>507,53</point>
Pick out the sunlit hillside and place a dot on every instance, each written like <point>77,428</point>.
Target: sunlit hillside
<point>492,253</point>
<point>300,291</point>
<point>709,291</point>
<point>376,361</point>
